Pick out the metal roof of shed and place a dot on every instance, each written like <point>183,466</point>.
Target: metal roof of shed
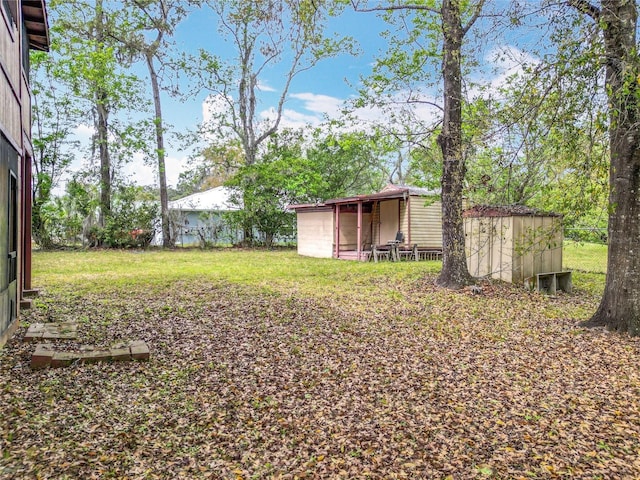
<point>388,192</point>
<point>506,211</point>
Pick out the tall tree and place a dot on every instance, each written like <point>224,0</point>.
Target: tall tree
<point>148,24</point>
<point>449,20</point>
<point>92,66</point>
<point>617,21</point>
<point>102,106</point>
<point>264,33</point>
<point>289,33</point>
<point>54,119</point>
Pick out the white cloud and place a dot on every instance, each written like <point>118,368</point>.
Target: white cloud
<point>84,132</point>
<point>144,174</point>
<point>214,105</point>
<point>175,165</point>
<point>320,104</point>
<point>263,87</point>
<point>501,62</point>
<point>292,119</point>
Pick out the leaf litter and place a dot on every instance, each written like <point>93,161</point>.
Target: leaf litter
<point>409,381</point>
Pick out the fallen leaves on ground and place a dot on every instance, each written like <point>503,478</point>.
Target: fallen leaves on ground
<point>411,382</point>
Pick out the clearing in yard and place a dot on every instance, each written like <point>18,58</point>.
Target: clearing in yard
<point>270,365</point>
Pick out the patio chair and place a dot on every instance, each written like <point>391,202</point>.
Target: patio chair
<point>390,250</point>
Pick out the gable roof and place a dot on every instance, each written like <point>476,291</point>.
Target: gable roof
<point>214,200</point>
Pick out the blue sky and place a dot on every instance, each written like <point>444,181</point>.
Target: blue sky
<point>313,93</point>
<point>327,78</point>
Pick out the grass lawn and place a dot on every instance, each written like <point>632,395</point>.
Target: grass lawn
<point>585,257</point>
<point>271,365</point>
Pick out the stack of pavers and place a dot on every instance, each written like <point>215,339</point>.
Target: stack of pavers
<point>46,355</point>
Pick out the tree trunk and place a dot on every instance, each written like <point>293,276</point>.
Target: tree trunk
<point>619,308</point>
<point>455,273</point>
<point>167,241</point>
<point>105,161</point>
<point>102,99</point>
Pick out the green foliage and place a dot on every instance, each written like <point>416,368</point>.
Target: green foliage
<point>213,229</point>
<point>345,164</point>
<point>543,141</point>
<point>89,59</point>
<point>54,115</point>
<point>64,218</point>
<point>132,222</point>
<point>213,166</point>
<point>263,191</point>
<point>289,172</point>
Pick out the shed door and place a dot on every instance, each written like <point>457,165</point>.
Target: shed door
<point>389,220</point>
<point>8,234</point>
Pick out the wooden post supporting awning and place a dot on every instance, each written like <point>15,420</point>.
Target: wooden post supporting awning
<point>337,231</point>
<point>359,233</point>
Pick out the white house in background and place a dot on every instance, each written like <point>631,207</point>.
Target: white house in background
<point>199,217</point>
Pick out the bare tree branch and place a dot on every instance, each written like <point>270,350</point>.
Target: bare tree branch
<point>583,6</point>
<point>356,6</point>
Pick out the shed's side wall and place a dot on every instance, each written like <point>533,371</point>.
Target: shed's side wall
<point>537,246</point>
<point>488,243</point>
<point>425,222</point>
<point>315,233</point>
<point>404,220</point>
<point>513,248</point>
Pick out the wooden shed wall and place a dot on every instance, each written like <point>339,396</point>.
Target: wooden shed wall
<point>315,233</point>
<point>538,248</point>
<point>426,222</point>
<point>404,219</point>
<point>489,247</point>
<point>513,248</point>
<point>386,223</point>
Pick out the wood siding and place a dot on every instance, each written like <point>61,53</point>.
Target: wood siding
<point>538,248</point>
<point>315,233</point>
<point>426,222</point>
<point>15,151</point>
<point>404,221</point>
<point>513,248</point>
<point>10,78</point>
<point>489,247</point>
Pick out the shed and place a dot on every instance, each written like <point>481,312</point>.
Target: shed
<point>511,243</point>
<point>200,215</point>
<point>348,227</point>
